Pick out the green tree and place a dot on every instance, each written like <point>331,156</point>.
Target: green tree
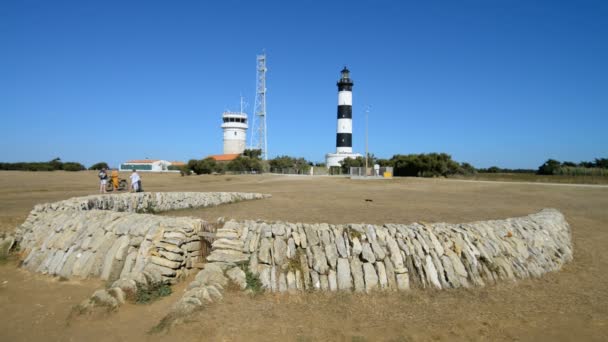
<point>253,153</point>
<point>99,166</point>
<point>550,167</point>
<point>244,164</point>
<point>601,163</point>
<point>72,166</point>
<point>349,162</point>
<point>468,169</point>
<point>283,163</point>
<point>202,166</point>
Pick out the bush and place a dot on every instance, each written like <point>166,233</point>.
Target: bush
<point>244,164</point>
<point>202,166</point>
<point>73,166</point>
<point>99,166</point>
<point>550,167</point>
<point>425,165</point>
<point>52,165</point>
<point>297,165</point>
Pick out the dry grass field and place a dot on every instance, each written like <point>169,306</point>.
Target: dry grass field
<point>570,305</point>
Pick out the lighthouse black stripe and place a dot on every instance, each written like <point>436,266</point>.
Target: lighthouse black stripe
<point>344,140</point>
<point>345,112</point>
<point>345,86</point>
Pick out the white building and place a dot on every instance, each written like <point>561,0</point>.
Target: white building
<point>235,132</point>
<point>151,165</point>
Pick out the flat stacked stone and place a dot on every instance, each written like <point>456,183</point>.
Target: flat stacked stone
<point>361,257</point>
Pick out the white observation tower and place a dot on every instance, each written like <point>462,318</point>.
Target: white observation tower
<point>235,131</point>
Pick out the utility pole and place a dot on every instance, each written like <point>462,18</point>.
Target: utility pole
<point>366,129</point>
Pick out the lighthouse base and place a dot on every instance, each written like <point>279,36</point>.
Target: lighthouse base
<point>334,159</point>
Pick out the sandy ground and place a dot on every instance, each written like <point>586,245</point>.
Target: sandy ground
<point>564,306</point>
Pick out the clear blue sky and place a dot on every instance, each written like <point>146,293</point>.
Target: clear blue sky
<point>501,82</point>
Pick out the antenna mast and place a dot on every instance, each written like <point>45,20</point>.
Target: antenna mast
<point>258,132</point>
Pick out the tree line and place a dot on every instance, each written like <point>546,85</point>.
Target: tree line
<point>52,165</point>
<point>405,165</point>
<point>598,167</point>
<point>414,165</point>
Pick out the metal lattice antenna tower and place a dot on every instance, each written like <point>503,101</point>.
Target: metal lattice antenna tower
<point>258,131</point>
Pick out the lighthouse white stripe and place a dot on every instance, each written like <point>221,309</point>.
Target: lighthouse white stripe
<point>344,150</point>
<point>345,98</point>
<point>345,126</point>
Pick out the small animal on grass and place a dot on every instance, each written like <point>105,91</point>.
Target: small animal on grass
<point>369,200</point>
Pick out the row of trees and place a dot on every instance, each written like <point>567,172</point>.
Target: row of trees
<point>52,165</point>
<point>599,167</point>
<point>415,165</point>
<point>250,161</point>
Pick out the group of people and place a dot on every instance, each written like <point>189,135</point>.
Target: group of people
<point>134,184</point>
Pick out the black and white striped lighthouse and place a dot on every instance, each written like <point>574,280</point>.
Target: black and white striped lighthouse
<point>344,134</point>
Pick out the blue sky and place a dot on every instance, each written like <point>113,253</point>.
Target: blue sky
<point>508,83</point>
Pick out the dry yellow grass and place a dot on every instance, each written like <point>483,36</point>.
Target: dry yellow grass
<point>567,305</point>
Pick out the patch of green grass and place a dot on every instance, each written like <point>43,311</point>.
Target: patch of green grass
<point>295,264</point>
<point>150,294</point>
<point>354,234</point>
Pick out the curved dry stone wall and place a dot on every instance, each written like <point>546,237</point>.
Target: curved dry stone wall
<point>106,236</point>
<point>359,257</point>
<point>111,237</point>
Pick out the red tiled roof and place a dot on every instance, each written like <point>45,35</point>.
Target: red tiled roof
<point>143,161</point>
<point>224,157</point>
<point>177,163</point>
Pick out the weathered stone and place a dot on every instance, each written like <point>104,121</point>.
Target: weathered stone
<point>264,272</point>
<point>332,255</point>
<point>282,282</point>
<point>225,256</point>
<point>311,235</point>
<point>357,248</point>
<point>238,277</point>
<point>332,280</point>
<point>316,282</point>
<point>319,260</point>
<point>381,271</point>
<point>291,281</point>
<point>371,278</point>
<point>236,245</point>
<point>403,282</point>
<point>273,279</point>
<point>367,254</point>
<point>264,251</point>
<point>6,244</point>
<point>280,251</point>
<point>164,262</point>
<point>118,294</point>
<point>211,275</point>
<point>390,273</point>
<point>278,229</point>
<point>291,248</point>
<point>103,298</point>
<point>431,272</point>
<point>344,280</point>
<point>357,272</point>
<point>324,281</point>
<point>378,251</point>
<point>341,246</point>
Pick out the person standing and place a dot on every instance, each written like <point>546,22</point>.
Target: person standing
<point>114,177</point>
<point>103,180</point>
<point>135,181</point>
